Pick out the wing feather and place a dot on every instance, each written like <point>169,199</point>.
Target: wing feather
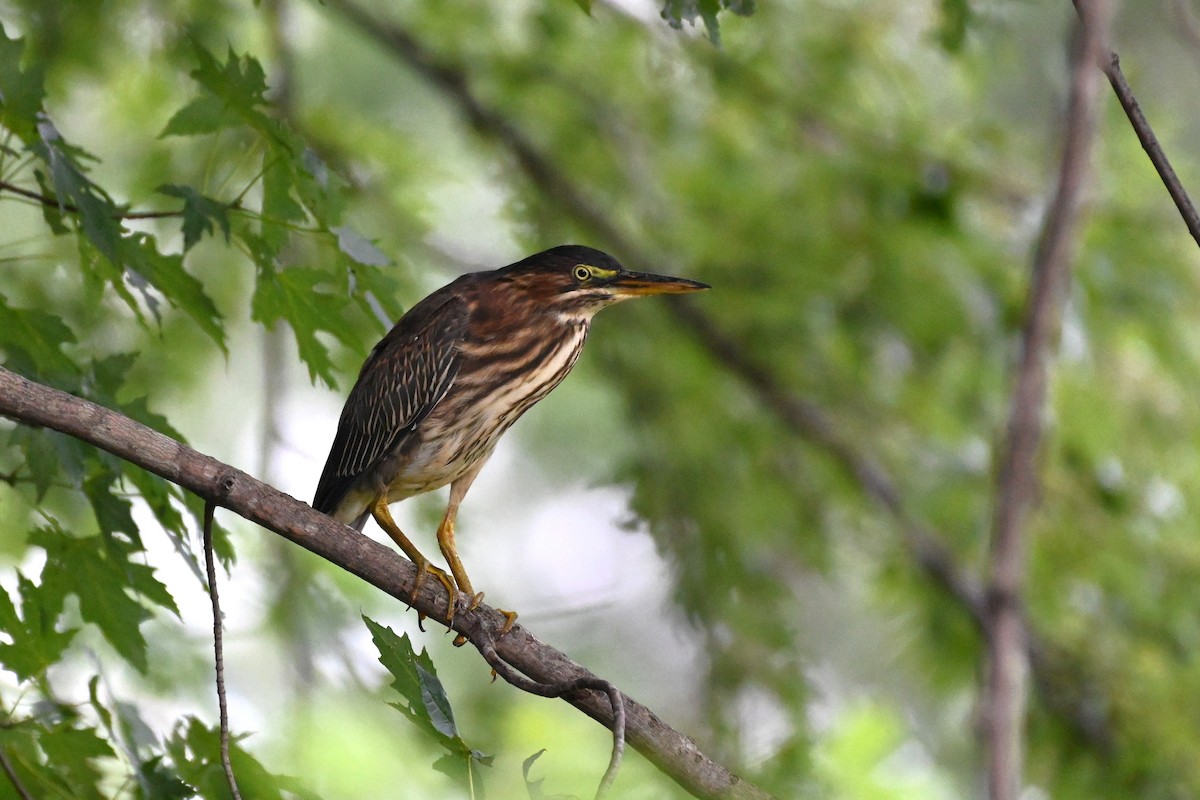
<point>406,375</point>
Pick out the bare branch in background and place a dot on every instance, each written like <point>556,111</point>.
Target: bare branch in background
<point>672,752</point>
<point>1111,65</point>
<point>1004,696</point>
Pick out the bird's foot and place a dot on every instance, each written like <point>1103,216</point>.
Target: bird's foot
<point>425,569</point>
<point>510,617</point>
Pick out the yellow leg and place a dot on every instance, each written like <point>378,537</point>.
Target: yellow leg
<point>445,536</point>
<point>449,549</point>
<point>424,568</point>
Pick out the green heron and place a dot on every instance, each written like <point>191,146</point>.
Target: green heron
<point>442,387</point>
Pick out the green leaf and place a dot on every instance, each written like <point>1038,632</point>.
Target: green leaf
<point>291,295</point>
<point>194,749</point>
<point>52,458</point>
<point>157,781</point>
<point>53,215</point>
<point>97,213</point>
<point>166,274</point>
<point>134,252</point>
<point>71,752</point>
<point>236,91</point>
<point>35,642</point>
<point>97,570</point>
<point>321,190</point>
<point>956,17</point>
<point>19,742</point>
<point>106,717</point>
<point>204,114</point>
<point>425,703</point>
<point>278,206</point>
<point>415,678</point>
<point>433,695</point>
<point>163,500</point>
<point>676,12</point>
<point>113,513</point>
<point>99,272</point>
<point>200,214</point>
<point>39,336</point>
<point>377,290</point>
<point>21,89</point>
<point>534,788</point>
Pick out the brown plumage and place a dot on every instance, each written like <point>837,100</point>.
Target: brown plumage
<point>455,372</point>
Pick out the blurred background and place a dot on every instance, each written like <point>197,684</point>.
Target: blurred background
<point>755,510</point>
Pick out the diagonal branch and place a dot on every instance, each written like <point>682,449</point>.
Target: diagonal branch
<point>1003,703</point>
<point>1111,65</point>
<point>672,752</point>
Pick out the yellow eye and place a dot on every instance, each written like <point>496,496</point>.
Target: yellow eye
<point>582,272</point>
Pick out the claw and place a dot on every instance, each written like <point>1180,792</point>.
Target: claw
<point>425,569</point>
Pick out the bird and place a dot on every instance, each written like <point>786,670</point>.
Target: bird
<point>438,391</point>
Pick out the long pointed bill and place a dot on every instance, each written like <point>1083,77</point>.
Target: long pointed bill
<point>640,284</point>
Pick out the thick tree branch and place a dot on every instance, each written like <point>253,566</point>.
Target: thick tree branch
<point>33,404</point>
<point>1008,652</point>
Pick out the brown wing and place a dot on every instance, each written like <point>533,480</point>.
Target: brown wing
<point>406,375</point>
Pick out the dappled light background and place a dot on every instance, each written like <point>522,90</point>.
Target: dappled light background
<point>861,182</point>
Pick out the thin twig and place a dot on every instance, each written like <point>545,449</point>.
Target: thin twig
<point>1111,64</point>
<point>70,208</point>
<point>218,649</point>
<point>487,648</point>
<point>18,787</point>
<point>1006,682</point>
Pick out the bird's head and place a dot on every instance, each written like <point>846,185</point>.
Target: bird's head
<point>576,281</point>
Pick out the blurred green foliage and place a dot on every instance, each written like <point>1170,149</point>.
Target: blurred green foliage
<point>860,181</point>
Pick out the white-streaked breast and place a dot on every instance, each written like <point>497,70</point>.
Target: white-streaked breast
<point>450,445</point>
